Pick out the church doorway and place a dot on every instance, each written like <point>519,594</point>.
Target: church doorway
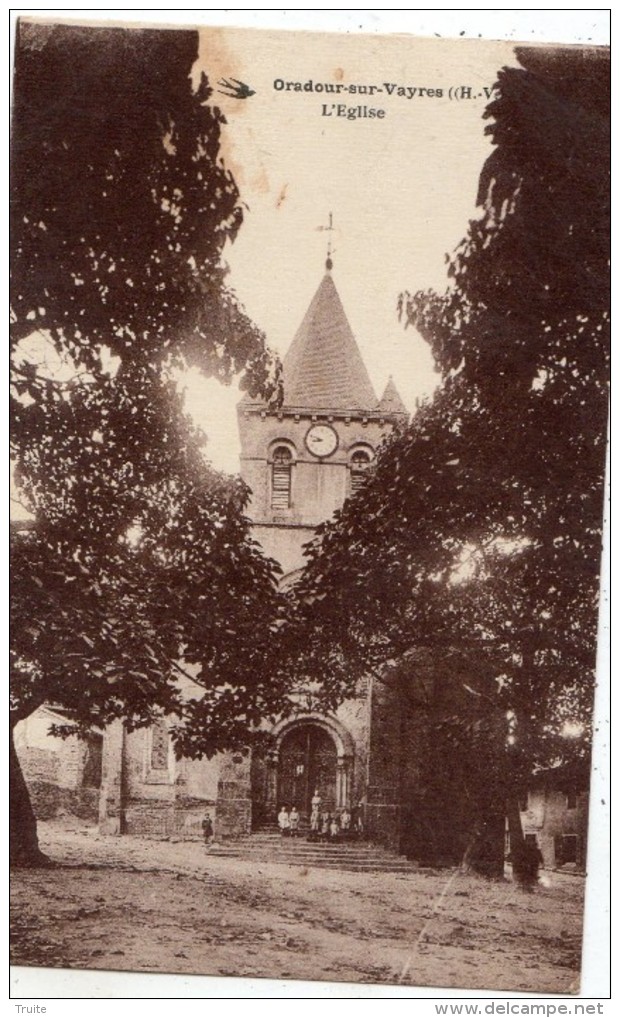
<point>308,760</point>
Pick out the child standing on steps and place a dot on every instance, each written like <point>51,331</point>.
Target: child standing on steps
<point>315,822</point>
<point>325,820</point>
<point>293,820</point>
<point>284,822</point>
<point>207,829</point>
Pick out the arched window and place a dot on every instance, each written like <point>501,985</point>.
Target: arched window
<point>159,746</point>
<point>360,461</point>
<point>281,478</point>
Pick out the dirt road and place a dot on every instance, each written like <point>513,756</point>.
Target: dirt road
<point>129,904</point>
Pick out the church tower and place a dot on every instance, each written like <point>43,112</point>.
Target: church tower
<point>302,460</point>
<point>379,755</point>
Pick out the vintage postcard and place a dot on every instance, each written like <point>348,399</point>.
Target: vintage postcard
<point>310,341</point>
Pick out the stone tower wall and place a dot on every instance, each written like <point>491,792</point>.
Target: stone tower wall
<point>318,486</point>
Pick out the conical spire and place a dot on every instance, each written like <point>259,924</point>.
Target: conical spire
<point>391,402</point>
<point>323,369</point>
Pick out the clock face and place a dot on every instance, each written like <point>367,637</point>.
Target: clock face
<point>321,440</point>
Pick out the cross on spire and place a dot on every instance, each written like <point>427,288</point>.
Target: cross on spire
<point>328,229</point>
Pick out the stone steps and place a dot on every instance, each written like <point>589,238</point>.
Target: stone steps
<point>267,847</point>
<point>319,852</point>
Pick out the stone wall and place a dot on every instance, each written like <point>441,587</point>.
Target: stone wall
<point>353,714</point>
<point>39,765</point>
<point>50,800</point>
<point>61,774</point>
<point>45,758</point>
<point>113,792</point>
<point>421,786</point>
<point>179,819</point>
<point>383,798</point>
<point>319,487</point>
<point>233,811</point>
<point>169,800</point>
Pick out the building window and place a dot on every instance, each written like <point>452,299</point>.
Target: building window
<point>571,800</point>
<point>565,849</point>
<point>281,472</point>
<point>159,746</point>
<point>360,461</point>
<point>92,764</point>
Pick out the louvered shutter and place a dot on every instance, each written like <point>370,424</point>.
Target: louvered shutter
<point>281,479</point>
<point>360,461</point>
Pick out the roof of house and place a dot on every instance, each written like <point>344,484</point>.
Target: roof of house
<point>573,774</point>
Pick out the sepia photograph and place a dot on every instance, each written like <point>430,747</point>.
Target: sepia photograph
<point>309,411</point>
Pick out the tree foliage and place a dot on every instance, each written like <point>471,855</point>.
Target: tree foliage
<point>480,530</point>
<point>139,571</point>
<point>121,205</point>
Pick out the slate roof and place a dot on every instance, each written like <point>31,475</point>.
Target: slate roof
<point>390,402</point>
<point>323,368</point>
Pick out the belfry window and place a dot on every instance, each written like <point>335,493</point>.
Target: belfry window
<point>360,461</point>
<point>281,472</point>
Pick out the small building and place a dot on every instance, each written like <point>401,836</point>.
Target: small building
<point>554,815</point>
<point>63,775</point>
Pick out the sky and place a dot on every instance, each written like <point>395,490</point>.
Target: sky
<point>401,189</point>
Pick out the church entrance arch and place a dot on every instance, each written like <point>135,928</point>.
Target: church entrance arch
<point>308,760</point>
<point>311,751</point>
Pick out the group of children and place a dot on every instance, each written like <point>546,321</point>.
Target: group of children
<point>324,825</point>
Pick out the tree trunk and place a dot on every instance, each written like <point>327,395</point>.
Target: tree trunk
<point>24,844</point>
<point>515,829</point>
<point>525,858</point>
<point>485,851</point>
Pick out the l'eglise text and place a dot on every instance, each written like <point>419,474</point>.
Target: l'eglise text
<point>352,112</point>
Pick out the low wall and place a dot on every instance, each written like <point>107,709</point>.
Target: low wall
<point>50,801</point>
<point>160,820</point>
